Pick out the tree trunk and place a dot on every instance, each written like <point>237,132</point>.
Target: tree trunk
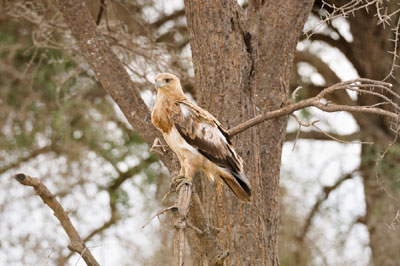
<point>242,64</point>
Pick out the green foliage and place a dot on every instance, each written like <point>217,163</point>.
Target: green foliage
<point>120,197</point>
<point>49,97</point>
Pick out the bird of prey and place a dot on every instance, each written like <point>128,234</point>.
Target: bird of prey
<point>197,138</point>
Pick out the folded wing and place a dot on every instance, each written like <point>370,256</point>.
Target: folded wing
<point>203,131</point>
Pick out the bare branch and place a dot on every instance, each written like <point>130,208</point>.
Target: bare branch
<point>164,19</point>
<point>340,11</point>
<point>395,40</point>
<point>317,135</point>
<point>180,222</point>
<point>380,184</point>
<point>76,245</point>
<point>355,85</point>
<point>394,222</point>
<point>114,217</point>
<point>158,214</point>
<point>111,73</point>
<point>324,196</point>
<point>328,135</point>
<point>132,171</point>
<point>327,73</point>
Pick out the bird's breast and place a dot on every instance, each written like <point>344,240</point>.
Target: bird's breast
<point>177,143</point>
<point>160,120</point>
<point>184,150</point>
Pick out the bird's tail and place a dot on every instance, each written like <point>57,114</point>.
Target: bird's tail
<point>239,185</point>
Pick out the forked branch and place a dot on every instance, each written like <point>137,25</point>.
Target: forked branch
<point>77,245</point>
<point>361,85</point>
<point>326,191</point>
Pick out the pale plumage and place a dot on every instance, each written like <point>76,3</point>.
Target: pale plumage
<point>197,138</point>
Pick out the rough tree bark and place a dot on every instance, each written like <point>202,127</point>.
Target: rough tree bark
<point>242,64</point>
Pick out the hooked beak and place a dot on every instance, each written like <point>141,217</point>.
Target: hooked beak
<point>159,84</point>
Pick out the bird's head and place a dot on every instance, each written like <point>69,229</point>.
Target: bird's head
<point>168,83</point>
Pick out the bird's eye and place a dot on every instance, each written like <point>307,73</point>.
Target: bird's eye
<point>167,80</point>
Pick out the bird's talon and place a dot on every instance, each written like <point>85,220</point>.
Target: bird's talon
<point>179,181</point>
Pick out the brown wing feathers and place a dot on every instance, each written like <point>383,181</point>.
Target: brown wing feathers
<point>204,132</point>
<point>209,150</point>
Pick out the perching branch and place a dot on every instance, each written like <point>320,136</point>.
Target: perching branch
<point>180,211</point>
<point>361,85</point>
<point>189,201</point>
<point>180,222</point>
<point>76,245</point>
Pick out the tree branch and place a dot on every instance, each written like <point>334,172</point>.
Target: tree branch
<point>357,85</point>
<point>180,222</point>
<point>317,135</point>
<point>328,74</point>
<point>76,245</point>
<point>343,46</point>
<point>111,73</point>
<point>164,19</point>
<point>132,171</point>
<point>324,196</point>
<point>114,217</point>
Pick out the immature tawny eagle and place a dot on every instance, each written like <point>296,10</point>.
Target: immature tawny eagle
<point>197,138</point>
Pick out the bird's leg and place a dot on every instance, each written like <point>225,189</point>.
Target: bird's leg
<point>157,144</point>
<point>183,178</point>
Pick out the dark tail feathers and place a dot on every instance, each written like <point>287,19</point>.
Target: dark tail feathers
<point>239,185</point>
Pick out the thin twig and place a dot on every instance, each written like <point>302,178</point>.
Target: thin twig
<point>395,40</point>
<point>313,124</point>
<point>379,160</point>
<point>315,101</point>
<point>339,11</point>
<point>158,214</point>
<point>76,245</point>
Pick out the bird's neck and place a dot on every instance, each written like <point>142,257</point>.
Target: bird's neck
<point>170,96</point>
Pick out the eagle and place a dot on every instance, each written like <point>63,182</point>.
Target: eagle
<point>197,138</point>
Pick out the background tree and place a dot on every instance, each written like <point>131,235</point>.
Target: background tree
<point>371,47</point>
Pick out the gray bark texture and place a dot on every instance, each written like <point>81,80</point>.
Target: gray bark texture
<point>242,64</point>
